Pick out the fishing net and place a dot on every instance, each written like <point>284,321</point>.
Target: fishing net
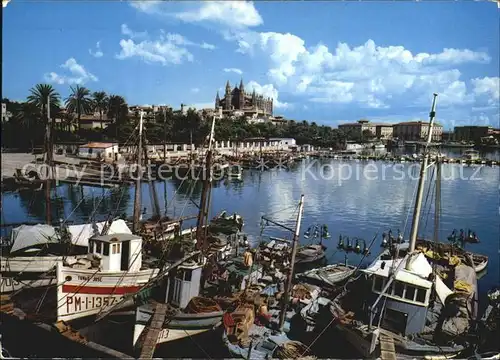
<point>301,291</point>
<point>200,304</point>
<point>293,350</point>
<point>463,286</point>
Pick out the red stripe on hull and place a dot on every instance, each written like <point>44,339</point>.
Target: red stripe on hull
<point>100,290</point>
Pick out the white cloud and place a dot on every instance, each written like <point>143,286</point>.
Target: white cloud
<point>488,88</point>
<point>204,45</point>
<point>168,48</point>
<point>267,90</point>
<point>232,14</point>
<point>132,34</point>
<point>78,74</point>
<point>236,14</point>
<point>146,6</point>
<point>369,75</point>
<point>162,51</point>
<point>234,70</point>
<point>195,90</point>
<point>97,53</point>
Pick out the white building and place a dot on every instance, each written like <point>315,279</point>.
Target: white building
<point>284,143</point>
<point>6,115</point>
<point>97,150</point>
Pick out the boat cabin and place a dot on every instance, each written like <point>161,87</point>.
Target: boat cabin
<point>117,252</point>
<point>404,305</point>
<point>184,284</point>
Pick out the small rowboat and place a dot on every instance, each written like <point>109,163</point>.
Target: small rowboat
<point>328,275</point>
<point>310,253</point>
<point>443,251</point>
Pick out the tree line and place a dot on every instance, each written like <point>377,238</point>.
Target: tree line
<point>26,127</point>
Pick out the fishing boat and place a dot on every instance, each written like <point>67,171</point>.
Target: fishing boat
<point>34,251</point>
<point>113,268</point>
<point>186,313</point>
<point>329,275</point>
<point>310,254</point>
<point>439,251</point>
<point>226,224</point>
<point>245,339</point>
<point>471,155</point>
<point>404,306</point>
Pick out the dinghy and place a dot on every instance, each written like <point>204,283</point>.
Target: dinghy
<point>328,275</point>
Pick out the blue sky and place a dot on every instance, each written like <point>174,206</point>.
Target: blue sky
<point>328,62</point>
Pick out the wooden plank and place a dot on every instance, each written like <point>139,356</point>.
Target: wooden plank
<point>387,348</point>
<point>152,331</point>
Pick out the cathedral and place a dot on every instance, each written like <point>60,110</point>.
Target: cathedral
<point>238,99</point>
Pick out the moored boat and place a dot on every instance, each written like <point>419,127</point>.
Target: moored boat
<point>113,269</point>
<point>328,275</point>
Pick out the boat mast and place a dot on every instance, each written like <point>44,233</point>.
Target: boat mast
<point>200,238</point>
<point>137,199</point>
<point>437,207</point>
<point>423,170</point>
<point>48,149</point>
<point>288,284</point>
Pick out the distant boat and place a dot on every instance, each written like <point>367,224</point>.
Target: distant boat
<point>471,155</point>
<point>328,275</point>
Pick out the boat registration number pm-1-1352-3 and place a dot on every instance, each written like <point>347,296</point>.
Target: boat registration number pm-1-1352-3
<point>83,303</point>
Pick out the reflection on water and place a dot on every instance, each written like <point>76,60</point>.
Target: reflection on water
<point>374,198</point>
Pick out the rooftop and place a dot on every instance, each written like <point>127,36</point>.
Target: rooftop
<point>98,145</point>
<point>116,237</point>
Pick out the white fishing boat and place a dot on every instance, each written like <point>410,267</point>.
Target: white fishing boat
<point>188,314</point>
<point>113,269</point>
<point>403,305</point>
<point>36,249</point>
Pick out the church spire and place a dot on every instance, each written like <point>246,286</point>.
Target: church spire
<point>228,87</point>
<point>242,87</point>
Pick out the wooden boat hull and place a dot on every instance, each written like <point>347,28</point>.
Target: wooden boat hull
<point>33,271</point>
<point>36,264</point>
<point>13,284</point>
<point>327,275</point>
<point>480,262</point>
<point>85,292</point>
<point>179,326</point>
<point>308,255</point>
<point>363,344</point>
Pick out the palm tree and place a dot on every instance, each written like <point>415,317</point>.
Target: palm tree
<point>79,102</point>
<point>100,102</point>
<point>40,94</point>
<point>117,110</point>
<point>27,118</point>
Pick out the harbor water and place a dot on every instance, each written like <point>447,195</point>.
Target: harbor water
<point>359,199</point>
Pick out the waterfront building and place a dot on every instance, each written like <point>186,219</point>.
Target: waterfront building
<point>356,129</point>
<point>472,133</point>
<point>247,103</point>
<point>384,131</point>
<point>98,150</point>
<point>283,143</point>
<point>416,131</point>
